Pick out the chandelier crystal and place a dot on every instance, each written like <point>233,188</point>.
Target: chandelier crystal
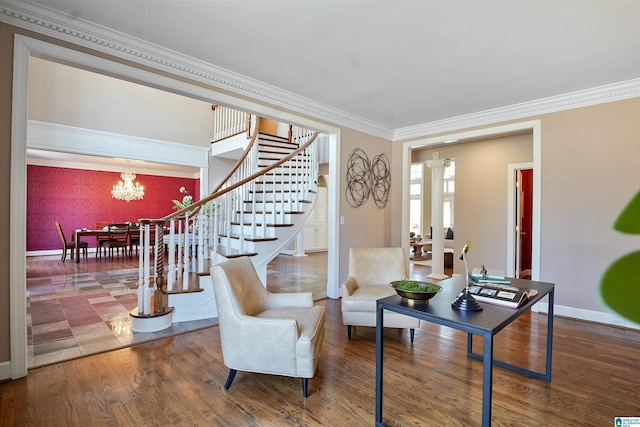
<point>126,189</point>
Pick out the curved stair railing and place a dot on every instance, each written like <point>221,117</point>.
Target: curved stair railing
<point>269,184</point>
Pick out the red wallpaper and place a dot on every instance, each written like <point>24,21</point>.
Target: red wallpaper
<point>77,197</point>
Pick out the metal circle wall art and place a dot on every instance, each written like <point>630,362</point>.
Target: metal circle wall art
<point>380,180</point>
<point>366,178</point>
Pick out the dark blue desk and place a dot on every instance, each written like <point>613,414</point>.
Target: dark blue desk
<point>486,323</point>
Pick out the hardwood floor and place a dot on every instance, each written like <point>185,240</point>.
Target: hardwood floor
<point>75,310</point>
<point>179,381</point>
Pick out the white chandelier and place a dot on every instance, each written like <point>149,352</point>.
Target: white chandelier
<point>126,189</point>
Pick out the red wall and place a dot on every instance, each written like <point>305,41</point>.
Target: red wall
<point>77,197</point>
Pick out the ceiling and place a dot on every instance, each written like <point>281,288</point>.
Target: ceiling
<point>394,63</point>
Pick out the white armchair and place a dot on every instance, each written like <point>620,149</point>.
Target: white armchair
<point>371,270</point>
<point>263,332</point>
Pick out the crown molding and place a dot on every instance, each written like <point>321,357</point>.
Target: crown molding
<point>51,23</point>
<point>48,22</point>
<point>583,98</point>
<point>74,140</point>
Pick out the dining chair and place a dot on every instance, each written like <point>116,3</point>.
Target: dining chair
<point>101,239</point>
<point>118,239</point>
<point>134,238</point>
<point>70,245</point>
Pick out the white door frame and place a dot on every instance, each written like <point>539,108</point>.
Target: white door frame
<point>534,126</point>
<point>512,202</point>
<point>24,47</point>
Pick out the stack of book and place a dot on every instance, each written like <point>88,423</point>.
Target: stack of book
<point>482,275</point>
<point>490,286</point>
<point>501,294</point>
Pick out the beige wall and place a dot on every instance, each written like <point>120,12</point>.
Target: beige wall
<point>366,225</point>
<point>590,170</point>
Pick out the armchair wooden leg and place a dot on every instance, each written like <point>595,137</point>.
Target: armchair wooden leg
<point>349,331</point>
<point>412,333</point>
<point>305,386</point>
<point>230,378</point>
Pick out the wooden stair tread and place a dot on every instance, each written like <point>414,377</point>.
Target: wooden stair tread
<point>260,225</point>
<point>233,253</point>
<point>255,239</point>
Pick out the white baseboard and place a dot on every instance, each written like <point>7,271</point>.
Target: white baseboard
<point>52,252</point>
<point>587,315</point>
<point>5,370</point>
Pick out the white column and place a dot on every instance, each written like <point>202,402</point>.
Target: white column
<point>300,244</point>
<point>437,167</point>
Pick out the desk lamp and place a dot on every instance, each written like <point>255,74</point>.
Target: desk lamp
<point>465,301</point>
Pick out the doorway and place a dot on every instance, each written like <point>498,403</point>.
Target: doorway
<point>25,47</point>
<point>521,237</point>
<point>523,220</point>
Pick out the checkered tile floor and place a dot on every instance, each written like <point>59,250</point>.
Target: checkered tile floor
<point>80,314</point>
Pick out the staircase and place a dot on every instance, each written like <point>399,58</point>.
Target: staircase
<point>256,211</point>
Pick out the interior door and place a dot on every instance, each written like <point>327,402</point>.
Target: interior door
<point>524,225</point>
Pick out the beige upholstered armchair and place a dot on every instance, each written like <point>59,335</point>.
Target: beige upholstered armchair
<point>263,332</point>
<point>371,270</point>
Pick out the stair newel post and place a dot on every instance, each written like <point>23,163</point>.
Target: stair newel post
<point>160,295</point>
<point>142,275</point>
<point>140,257</point>
<point>145,308</point>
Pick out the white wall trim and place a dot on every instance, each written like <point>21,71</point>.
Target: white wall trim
<point>511,214</point>
<point>592,316</point>
<point>63,27</point>
<point>18,213</point>
<point>75,140</point>
<point>578,99</point>
<point>24,47</point>
<point>5,370</point>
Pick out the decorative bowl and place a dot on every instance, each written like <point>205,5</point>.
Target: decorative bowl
<point>415,289</point>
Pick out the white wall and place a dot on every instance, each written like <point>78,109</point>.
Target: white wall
<point>70,96</point>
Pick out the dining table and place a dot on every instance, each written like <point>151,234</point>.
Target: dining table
<point>85,232</point>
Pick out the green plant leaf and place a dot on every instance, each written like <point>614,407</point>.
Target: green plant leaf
<point>629,219</point>
<point>620,286</point>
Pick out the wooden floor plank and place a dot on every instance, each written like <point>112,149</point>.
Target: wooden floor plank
<point>179,381</point>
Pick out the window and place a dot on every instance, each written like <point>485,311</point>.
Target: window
<point>415,199</point>
<point>449,190</point>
